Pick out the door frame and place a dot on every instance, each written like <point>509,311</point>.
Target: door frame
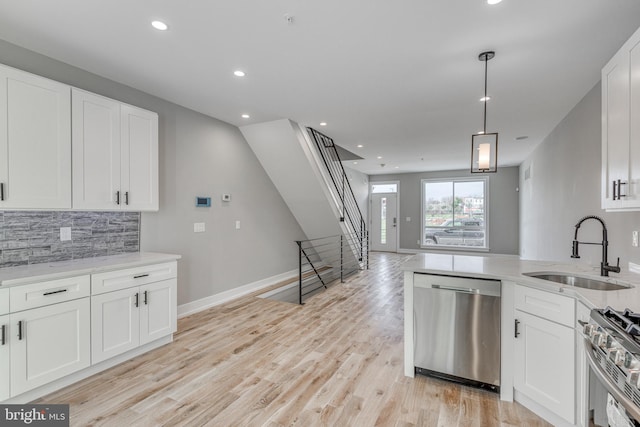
<point>397,213</point>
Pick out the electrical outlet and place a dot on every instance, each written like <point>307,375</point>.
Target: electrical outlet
<point>198,227</point>
<point>65,234</point>
<point>408,219</point>
<point>237,225</point>
<point>634,239</point>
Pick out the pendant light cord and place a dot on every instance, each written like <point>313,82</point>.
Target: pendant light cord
<point>486,59</point>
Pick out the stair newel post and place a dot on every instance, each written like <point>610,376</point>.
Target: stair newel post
<point>299,271</point>
<point>341,262</point>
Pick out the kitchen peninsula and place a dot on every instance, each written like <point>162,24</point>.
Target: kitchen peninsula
<point>541,346</point>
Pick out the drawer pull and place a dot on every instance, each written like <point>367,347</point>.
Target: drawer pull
<point>20,336</point>
<point>4,334</point>
<point>141,275</point>
<point>55,292</point>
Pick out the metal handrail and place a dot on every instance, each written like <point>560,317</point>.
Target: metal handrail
<point>350,211</point>
<point>321,264</point>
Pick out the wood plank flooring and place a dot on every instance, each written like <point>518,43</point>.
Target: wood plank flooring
<point>336,361</point>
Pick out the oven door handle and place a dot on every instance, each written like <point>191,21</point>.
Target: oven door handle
<point>631,408</point>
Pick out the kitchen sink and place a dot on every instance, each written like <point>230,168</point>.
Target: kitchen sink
<point>577,281</point>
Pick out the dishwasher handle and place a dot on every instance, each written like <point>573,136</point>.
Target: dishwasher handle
<point>454,289</point>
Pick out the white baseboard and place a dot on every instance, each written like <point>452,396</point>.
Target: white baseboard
<point>222,297</point>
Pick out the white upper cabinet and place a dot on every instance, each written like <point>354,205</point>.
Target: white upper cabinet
<point>35,142</point>
<point>115,155</point>
<point>621,128</point>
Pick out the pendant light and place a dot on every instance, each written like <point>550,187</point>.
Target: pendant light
<point>484,146</point>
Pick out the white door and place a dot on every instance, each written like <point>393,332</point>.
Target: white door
<point>49,343</point>
<point>35,141</point>
<point>4,358</point>
<point>139,159</point>
<point>96,151</point>
<point>157,310</point>
<point>384,222</point>
<point>115,323</point>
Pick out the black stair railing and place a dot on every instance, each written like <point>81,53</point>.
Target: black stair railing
<point>323,261</point>
<point>350,212</point>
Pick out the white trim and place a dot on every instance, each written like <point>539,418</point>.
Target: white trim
<point>466,251</point>
<point>222,297</point>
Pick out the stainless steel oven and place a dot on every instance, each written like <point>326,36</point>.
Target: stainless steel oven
<point>612,346</point>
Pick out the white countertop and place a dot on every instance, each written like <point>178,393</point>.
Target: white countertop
<point>13,276</point>
<point>511,268</point>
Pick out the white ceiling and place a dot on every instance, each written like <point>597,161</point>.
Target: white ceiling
<point>400,77</point>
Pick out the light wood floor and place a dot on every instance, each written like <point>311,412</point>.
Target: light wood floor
<point>336,361</point>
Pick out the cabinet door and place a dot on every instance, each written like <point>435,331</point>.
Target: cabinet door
<point>139,159</point>
<point>49,343</point>
<point>115,323</point>
<point>35,141</point>
<point>544,364</point>
<point>96,151</point>
<point>4,358</point>
<point>158,310</point>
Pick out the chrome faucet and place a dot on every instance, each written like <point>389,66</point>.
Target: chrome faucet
<point>605,268</point>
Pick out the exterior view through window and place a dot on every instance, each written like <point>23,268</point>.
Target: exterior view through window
<point>454,213</point>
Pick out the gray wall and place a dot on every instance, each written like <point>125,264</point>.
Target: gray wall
<point>360,185</point>
<point>564,185</point>
<point>503,207</point>
<point>199,156</point>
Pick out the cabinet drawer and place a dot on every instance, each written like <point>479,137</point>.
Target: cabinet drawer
<point>122,279</point>
<point>557,308</point>
<point>4,301</point>
<point>49,292</point>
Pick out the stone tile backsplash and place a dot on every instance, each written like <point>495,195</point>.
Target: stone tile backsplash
<point>31,237</point>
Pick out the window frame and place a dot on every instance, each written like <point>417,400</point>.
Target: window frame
<point>485,180</point>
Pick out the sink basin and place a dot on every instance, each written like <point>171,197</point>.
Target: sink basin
<point>577,281</point>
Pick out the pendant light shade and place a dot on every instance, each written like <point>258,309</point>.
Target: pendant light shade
<point>484,146</point>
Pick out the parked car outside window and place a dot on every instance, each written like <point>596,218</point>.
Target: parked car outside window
<point>456,232</point>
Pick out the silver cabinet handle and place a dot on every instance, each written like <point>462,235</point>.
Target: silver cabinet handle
<point>463,290</point>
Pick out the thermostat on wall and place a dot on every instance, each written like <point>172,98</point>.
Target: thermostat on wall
<point>226,197</point>
<point>203,202</point>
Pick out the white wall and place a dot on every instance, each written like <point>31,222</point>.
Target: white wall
<point>564,186</point>
<point>199,156</point>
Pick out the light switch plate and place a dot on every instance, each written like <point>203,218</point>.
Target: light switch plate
<point>237,225</point>
<point>198,227</point>
<point>65,234</point>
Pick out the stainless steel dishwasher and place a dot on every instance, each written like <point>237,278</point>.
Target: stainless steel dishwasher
<point>457,329</point>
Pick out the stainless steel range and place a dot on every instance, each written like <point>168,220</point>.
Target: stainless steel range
<point>613,353</point>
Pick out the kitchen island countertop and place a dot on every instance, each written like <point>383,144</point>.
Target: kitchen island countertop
<point>511,268</point>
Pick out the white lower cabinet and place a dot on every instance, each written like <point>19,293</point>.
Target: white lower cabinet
<point>48,343</point>
<point>125,319</point>
<point>4,358</point>
<point>544,350</point>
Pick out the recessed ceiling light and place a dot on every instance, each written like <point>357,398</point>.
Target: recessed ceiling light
<point>397,167</point>
<point>239,73</point>
<point>485,98</point>
<point>355,163</point>
<point>359,145</point>
<point>493,1</point>
<point>159,25</point>
<point>245,116</point>
<point>323,123</point>
<point>379,157</point>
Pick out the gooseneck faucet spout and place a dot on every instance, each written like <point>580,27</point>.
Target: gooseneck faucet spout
<point>605,268</point>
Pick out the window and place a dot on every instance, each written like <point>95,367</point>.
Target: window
<point>454,213</point>
<point>384,188</point>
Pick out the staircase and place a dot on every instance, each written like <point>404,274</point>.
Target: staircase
<point>305,167</point>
